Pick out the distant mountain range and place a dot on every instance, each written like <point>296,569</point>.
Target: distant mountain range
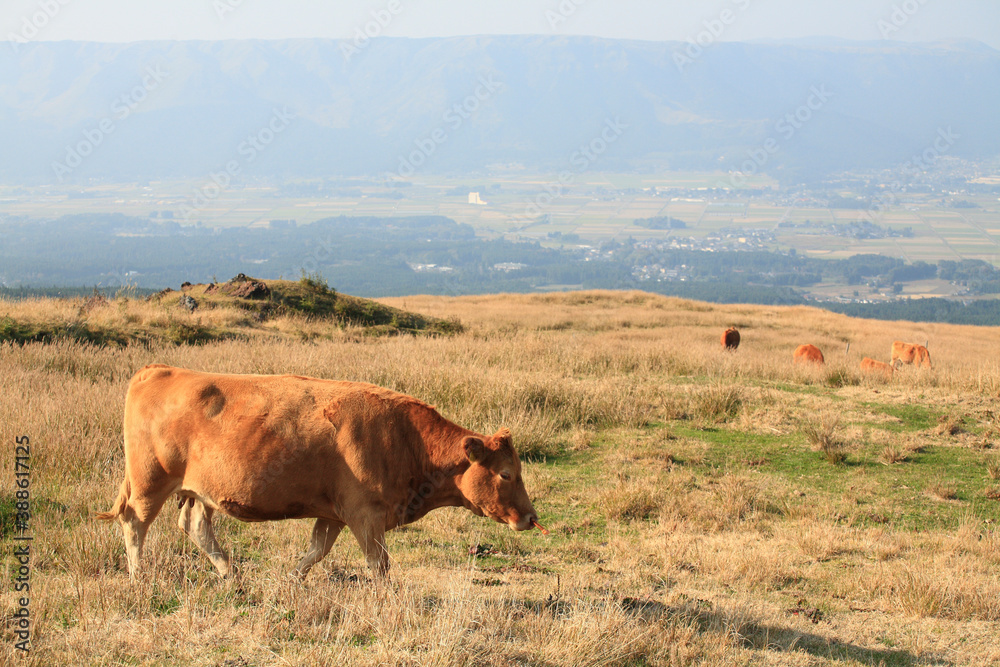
<point>72,111</point>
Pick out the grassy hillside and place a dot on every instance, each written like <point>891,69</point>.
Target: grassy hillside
<point>242,308</point>
<point>706,508</point>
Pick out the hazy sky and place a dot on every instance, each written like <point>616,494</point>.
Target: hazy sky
<point>131,20</point>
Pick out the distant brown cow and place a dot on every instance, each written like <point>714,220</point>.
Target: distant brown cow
<point>730,338</point>
<point>872,367</point>
<point>910,353</point>
<point>269,447</point>
<point>808,354</point>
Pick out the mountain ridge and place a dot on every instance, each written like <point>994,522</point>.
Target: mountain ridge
<point>360,115</point>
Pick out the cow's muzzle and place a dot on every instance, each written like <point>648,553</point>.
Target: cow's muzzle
<point>524,522</point>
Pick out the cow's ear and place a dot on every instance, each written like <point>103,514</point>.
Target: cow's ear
<point>475,449</point>
<point>502,438</point>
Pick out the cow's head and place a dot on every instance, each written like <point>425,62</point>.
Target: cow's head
<point>492,486</point>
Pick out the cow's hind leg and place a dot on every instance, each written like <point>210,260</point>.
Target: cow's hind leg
<point>134,531</point>
<point>136,516</point>
<point>196,520</point>
<point>324,534</point>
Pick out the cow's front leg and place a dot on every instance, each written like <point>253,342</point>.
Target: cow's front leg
<point>370,534</point>
<point>324,534</point>
<point>195,519</point>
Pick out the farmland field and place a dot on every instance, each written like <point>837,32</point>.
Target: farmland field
<point>596,206</point>
<point>705,508</point>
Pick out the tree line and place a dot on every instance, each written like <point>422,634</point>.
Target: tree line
<point>376,257</point>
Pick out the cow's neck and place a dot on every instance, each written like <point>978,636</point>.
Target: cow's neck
<point>437,484</point>
<point>433,487</point>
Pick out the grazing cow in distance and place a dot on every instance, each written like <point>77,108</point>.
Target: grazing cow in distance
<point>808,354</point>
<point>270,447</point>
<point>871,367</point>
<point>910,353</point>
<point>730,339</point>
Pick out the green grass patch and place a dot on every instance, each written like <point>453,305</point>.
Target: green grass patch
<point>46,332</point>
<point>163,602</point>
<point>913,417</point>
<point>863,491</point>
<point>311,297</point>
<point>7,512</point>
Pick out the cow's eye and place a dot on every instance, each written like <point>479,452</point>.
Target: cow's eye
<point>505,476</point>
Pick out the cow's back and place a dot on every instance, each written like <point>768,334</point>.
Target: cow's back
<point>270,447</point>
<point>910,353</point>
<point>730,338</point>
<point>902,351</point>
<point>808,354</point>
<point>181,413</point>
<point>871,366</point>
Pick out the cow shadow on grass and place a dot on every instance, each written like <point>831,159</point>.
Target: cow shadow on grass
<point>750,634</point>
<point>754,635</point>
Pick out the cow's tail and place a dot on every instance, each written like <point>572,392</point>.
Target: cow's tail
<point>119,508</point>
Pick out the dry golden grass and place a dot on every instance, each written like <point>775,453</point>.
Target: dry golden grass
<point>950,425</point>
<point>822,434</point>
<point>943,491</point>
<point>691,522</point>
<point>893,454</point>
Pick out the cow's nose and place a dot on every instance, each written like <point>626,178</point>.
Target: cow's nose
<point>525,522</point>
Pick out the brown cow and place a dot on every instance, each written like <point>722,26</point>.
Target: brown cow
<point>730,338</point>
<point>269,447</point>
<point>808,354</point>
<point>910,353</point>
<point>871,367</point>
